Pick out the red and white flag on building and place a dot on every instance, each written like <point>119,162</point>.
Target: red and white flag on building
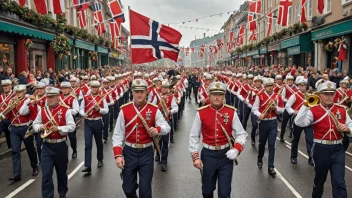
<point>82,21</point>
<point>253,36</point>
<point>203,48</point>
<point>229,46</point>
<point>321,6</point>
<point>284,7</point>
<point>270,23</point>
<point>255,6</point>
<point>115,32</point>
<point>115,8</point>
<point>342,51</point>
<point>252,22</point>
<point>22,2</point>
<point>40,6</point>
<point>59,6</point>
<point>303,11</point>
<point>98,17</point>
<point>231,36</point>
<point>240,36</point>
<point>192,49</point>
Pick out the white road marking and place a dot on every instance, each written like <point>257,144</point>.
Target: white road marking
<point>75,171</point>
<point>285,141</point>
<point>348,153</point>
<point>19,189</point>
<point>293,190</point>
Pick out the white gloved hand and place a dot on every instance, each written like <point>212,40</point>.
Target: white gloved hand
<point>232,154</point>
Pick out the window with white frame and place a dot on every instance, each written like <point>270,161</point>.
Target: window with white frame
<point>298,13</point>
<point>345,1</point>
<point>49,4</point>
<point>290,17</point>
<point>327,7</point>
<point>308,6</point>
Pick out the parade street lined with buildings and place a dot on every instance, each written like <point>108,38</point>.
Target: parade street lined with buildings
<point>181,179</point>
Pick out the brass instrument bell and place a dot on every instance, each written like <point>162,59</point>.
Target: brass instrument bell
<point>313,99</point>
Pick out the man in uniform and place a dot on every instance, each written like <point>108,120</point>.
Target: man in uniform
<point>69,98</point>
<point>76,89</point>
<point>202,95</point>
<point>343,94</point>
<point>330,122</point>
<point>171,108</point>
<point>137,125</point>
<point>266,107</point>
<point>18,129</point>
<point>57,120</point>
<point>106,90</point>
<point>84,85</point>
<point>218,124</point>
<point>92,108</point>
<point>5,98</point>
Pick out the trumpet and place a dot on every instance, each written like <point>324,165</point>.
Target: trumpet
<point>12,104</point>
<point>269,107</point>
<point>313,99</point>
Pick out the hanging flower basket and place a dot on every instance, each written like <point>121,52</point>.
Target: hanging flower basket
<point>93,56</point>
<point>61,46</point>
<point>329,47</point>
<point>28,44</point>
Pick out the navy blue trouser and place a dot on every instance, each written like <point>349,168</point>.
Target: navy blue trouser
<point>106,125</point>
<point>232,99</point>
<point>164,147</point>
<point>17,136</point>
<point>325,158</point>
<point>246,113</point>
<point>267,132</point>
<point>38,142</point>
<point>216,166</point>
<point>138,161</point>
<point>54,155</point>
<point>116,110</point>
<point>297,135</point>
<point>4,127</point>
<point>228,97</point>
<point>254,120</point>
<point>285,118</point>
<point>111,117</point>
<point>92,128</point>
<point>236,102</point>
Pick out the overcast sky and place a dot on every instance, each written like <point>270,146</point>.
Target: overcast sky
<point>173,11</point>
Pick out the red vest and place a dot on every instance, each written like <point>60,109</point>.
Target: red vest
<point>59,115</point>
<point>15,115</point>
<point>103,93</point>
<point>264,100</point>
<point>322,127</point>
<point>77,91</point>
<point>245,90</point>
<point>4,101</point>
<point>169,98</point>
<point>68,100</point>
<point>84,89</point>
<point>135,132</point>
<point>89,102</point>
<point>299,101</point>
<point>211,130</point>
<point>113,93</point>
<point>254,93</point>
<point>277,88</point>
<point>41,101</point>
<point>290,90</point>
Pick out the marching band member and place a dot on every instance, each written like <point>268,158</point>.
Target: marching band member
<point>5,98</point>
<point>245,90</point>
<point>107,118</point>
<point>115,96</point>
<point>292,106</point>
<point>153,90</point>
<point>84,85</point>
<point>171,108</point>
<point>287,91</point>
<point>218,153</point>
<point>266,107</point>
<point>137,124</point>
<point>58,121</point>
<point>18,129</point>
<point>92,108</point>
<point>256,90</point>
<point>330,122</point>
<point>238,84</point>
<point>343,94</point>
<point>278,84</point>
<point>69,98</point>
<point>78,92</point>
<point>203,94</point>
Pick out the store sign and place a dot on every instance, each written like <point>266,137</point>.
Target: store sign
<point>263,50</point>
<point>252,53</point>
<point>333,31</point>
<point>274,47</point>
<point>294,50</point>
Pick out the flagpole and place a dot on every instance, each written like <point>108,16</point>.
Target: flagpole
<point>129,16</point>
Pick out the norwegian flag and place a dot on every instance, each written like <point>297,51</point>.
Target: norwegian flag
<point>303,11</point>
<point>203,48</point>
<point>81,15</point>
<point>252,22</point>
<point>240,36</point>
<point>253,36</point>
<point>40,6</point>
<point>284,12</point>
<point>270,23</point>
<point>229,46</point>
<point>151,40</point>
<point>98,17</point>
<point>59,6</point>
<point>80,4</point>
<point>231,35</point>
<point>321,6</point>
<point>115,8</point>
<point>115,32</point>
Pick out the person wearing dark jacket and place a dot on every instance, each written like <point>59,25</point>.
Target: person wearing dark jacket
<point>312,80</point>
<point>22,78</point>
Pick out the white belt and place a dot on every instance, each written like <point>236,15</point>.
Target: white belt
<point>272,118</point>
<point>22,124</point>
<point>328,142</point>
<point>139,146</point>
<point>54,140</point>
<point>215,148</point>
<point>98,118</point>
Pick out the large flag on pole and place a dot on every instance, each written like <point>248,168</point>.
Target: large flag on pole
<point>270,22</point>
<point>284,12</point>
<point>40,6</point>
<point>115,32</point>
<point>59,6</point>
<point>303,11</point>
<point>98,17</point>
<point>115,8</point>
<point>151,40</point>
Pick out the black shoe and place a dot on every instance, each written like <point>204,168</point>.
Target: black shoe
<point>157,159</point>
<point>74,154</point>
<point>105,140</point>
<point>35,172</point>
<point>271,171</point>
<point>87,170</point>
<point>163,167</point>
<point>111,130</point>
<point>172,141</point>
<point>293,161</point>
<point>62,197</point>
<point>282,140</point>
<point>260,163</point>
<point>15,179</point>
<point>100,163</point>
<point>310,162</point>
<point>290,136</point>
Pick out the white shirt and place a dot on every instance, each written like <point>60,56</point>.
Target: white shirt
<point>103,110</point>
<point>289,103</point>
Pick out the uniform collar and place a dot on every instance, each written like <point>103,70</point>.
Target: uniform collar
<point>139,107</point>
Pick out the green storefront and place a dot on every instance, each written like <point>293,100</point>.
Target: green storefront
<point>342,29</point>
<point>81,54</point>
<point>242,59</point>
<point>253,57</point>
<point>299,50</point>
<point>264,56</point>
<point>103,57</point>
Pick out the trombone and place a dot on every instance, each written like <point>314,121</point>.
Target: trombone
<point>313,99</point>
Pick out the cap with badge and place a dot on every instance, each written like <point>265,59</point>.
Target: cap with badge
<point>52,91</point>
<point>73,79</point>
<point>156,79</point>
<point>217,87</point>
<point>165,84</point>
<point>6,82</point>
<point>250,76</point>
<point>239,75</point>
<point>209,77</point>
<point>65,85</point>
<point>327,86</point>
<point>278,77</point>
<point>105,80</point>
<point>268,81</point>
<point>301,80</point>
<point>94,83</point>
<point>258,78</point>
<point>289,77</point>
<point>139,85</point>
<point>20,88</point>
<point>40,85</point>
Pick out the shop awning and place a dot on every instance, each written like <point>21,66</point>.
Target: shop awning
<point>263,50</point>
<point>84,45</point>
<point>332,30</point>
<point>25,31</point>
<point>294,50</point>
<point>252,53</point>
<point>274,47</point>
<point>102,50</point>
<point>303,42</point>
<point>243,55</point>
<point>256,56</point>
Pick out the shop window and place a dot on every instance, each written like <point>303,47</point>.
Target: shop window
<point>7,55</point>
<point>327,7</point>
<point>308,6</point>
<point>37,59</point>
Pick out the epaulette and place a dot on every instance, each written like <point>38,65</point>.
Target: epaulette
<point>125,105</point>
<point>153,105</point>
<point>64,105</point>
<point>231,107</point>
<point>203,107</point>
